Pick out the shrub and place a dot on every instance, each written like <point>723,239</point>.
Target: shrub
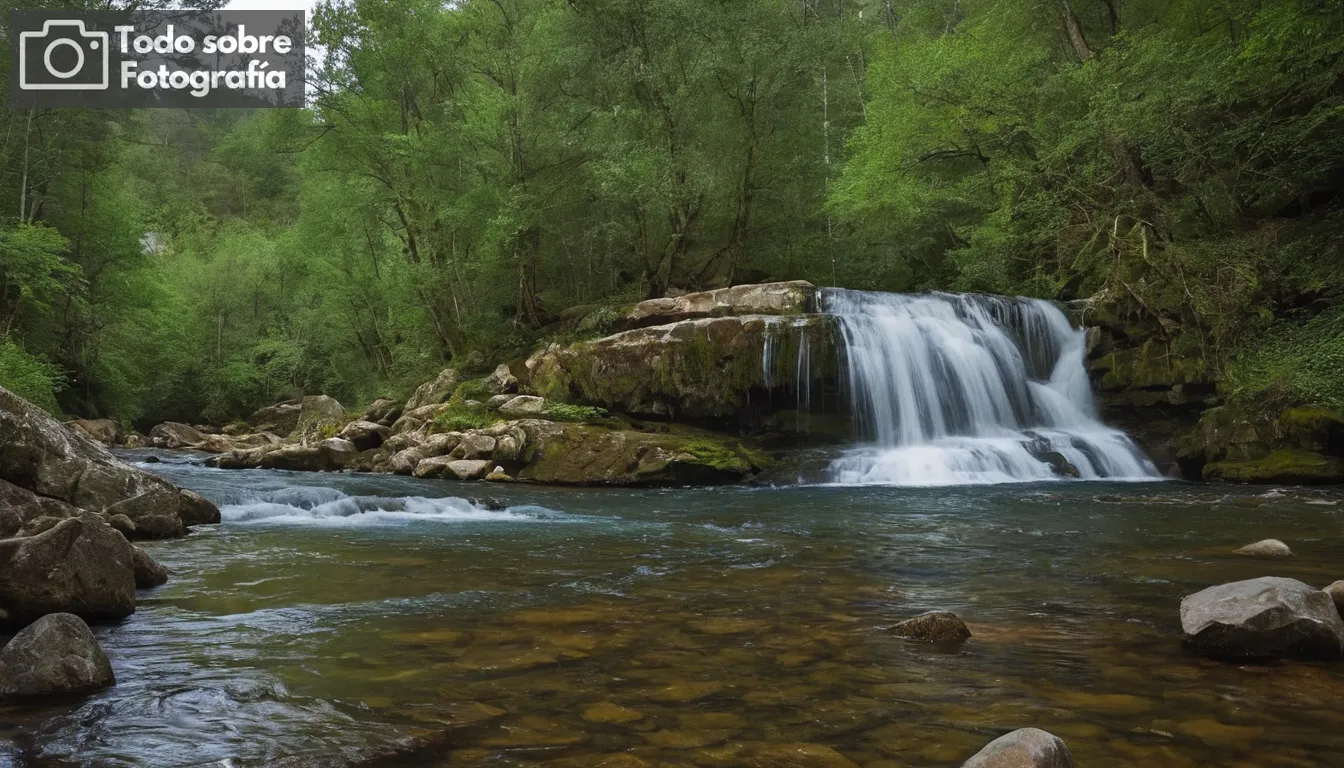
<point>575,413</point>
<point>30,377</point>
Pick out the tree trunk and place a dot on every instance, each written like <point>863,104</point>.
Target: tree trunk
<point>1076,36</point>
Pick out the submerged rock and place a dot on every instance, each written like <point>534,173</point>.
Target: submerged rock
<point>1023,748</point>
<point>57,654</point>
<point>942,627</point>
<point>1263,618</point>
<point>148,573</point>
<point>1266,548</point>
<point>80,566</point>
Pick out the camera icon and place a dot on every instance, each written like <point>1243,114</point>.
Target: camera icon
<point>64,56</point>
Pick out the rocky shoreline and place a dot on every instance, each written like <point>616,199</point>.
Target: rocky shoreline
<point>69,511</point>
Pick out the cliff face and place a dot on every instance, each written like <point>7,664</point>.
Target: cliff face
<point>1155,380</point>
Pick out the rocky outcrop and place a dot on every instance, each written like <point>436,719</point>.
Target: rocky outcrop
<point>280,419</point>
<point>1023,748</point>
<point>80,565</point>
<point>57,654</point>
<point>705,369</point>
<point>1265,548</point>
<point>105,431</point>
<point>434,392</point>
<point>577,454</point>
<point>502,381</point>
<point>148,573</point>
<point>938,627</point>
<point>1263,618</point>
<point>1299,446</point>
<point>788,298</point>
<point>382,411</point>
<point>39,455</point>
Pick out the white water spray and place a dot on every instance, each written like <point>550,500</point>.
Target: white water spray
<point>964,388</point>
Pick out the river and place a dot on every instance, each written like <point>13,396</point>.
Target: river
<point>335,616</point>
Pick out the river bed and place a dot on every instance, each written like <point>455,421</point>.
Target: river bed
<point>334,617</point>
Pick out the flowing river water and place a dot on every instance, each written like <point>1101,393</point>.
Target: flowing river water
<point>335,617</point>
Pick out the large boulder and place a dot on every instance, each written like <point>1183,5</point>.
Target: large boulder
<point>41,456</point>
<point>57,654</point>
<point>434,392</point>
<point>171,434</point>
<point>148,573</point>
<point>1268,617</point>
<point>365,435</point>
<point>280,418</point>
<point>320,417</point>
<point>195,509</point>
<point>80,565</point>
<point>1336,593</point>
<point>105,431</point>
<point>705,369</point>
<point>787,298</point>
<point>1023,748</point>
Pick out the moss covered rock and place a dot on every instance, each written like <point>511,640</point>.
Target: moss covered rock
<point>786,298</point>
<point>582,454</point>
<point>1284,465</point>
<point>694,369</point>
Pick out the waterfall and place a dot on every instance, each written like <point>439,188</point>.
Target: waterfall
<point>964,388</point>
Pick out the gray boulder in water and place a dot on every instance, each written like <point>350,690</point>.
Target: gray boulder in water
<point>1263,618</point>
<point>1023,748</point>
<point>80,565</point>
<point>1265,548</point>
<point>57,654</point>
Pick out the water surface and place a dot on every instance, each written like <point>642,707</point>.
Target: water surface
<point>332,616</point>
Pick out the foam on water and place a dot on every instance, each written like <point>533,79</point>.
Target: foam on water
<point>309,505</point>
<point>955,389</point>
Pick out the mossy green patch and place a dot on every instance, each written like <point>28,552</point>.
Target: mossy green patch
<point>1281,466</point>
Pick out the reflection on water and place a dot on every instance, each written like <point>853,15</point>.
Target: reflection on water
<point>337,616</point>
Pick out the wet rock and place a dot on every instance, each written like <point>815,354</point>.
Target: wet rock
<point>296,458</point>
<point>498,475</point>
<point>382,411</point>
<point>467,469</point>
<point>1269,617</point>
<point>494,403</point>
<point>80,566</point>
<point>1059,464</point>
<point>1266,548</point>
<point>57,654</point>
<point>1336,593</point>
<point>799,756</point>
<point>579,454</point>
<point>434,392</point>
<point>172,434</point>
<point>435,466</point>
<point>1023,748</point>
<point>105,431</point>
<point>148,573</point>
<point>941,627</point>
<point>502,381</point>
<point>523,406</point>
<point>365,435</point>
<point>195,509</point>
<point>608,712</point>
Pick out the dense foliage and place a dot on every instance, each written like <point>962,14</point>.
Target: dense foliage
<point>474,176</point>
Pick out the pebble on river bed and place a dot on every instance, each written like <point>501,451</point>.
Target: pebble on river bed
<point>941,627</point>
<point>1023,748</point>
<point>1266,548</point>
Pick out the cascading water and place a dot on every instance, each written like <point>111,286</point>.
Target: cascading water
<point>964,388</point>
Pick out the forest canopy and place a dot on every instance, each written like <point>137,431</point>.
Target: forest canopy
<point>474,177</point>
